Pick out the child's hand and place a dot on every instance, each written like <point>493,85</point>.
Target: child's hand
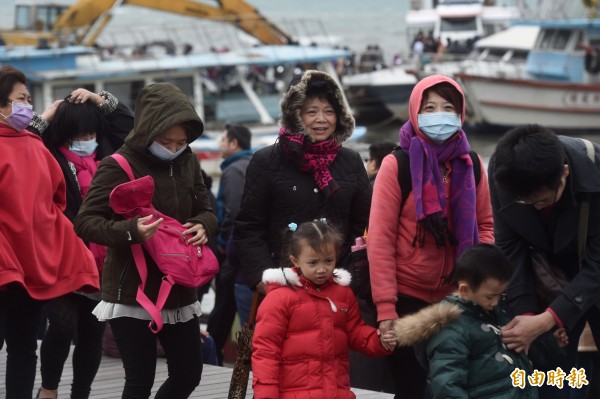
<point>388,340</point>
<point>561,337</point>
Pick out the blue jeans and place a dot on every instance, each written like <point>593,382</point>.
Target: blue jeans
<point>209,351</point>
<point>243,301</point>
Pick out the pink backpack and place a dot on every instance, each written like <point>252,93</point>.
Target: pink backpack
<point>183,264</point>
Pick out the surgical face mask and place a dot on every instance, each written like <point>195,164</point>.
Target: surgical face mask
<point>164,153</point>
<point>83,148</point>
<point>20,117</point>
<point>439,126</point>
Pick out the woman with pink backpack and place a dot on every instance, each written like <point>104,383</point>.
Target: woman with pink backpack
<point>165,123</point>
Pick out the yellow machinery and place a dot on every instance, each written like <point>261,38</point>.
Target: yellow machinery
<point>82,23</point>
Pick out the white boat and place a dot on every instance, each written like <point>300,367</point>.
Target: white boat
<point>501,54</point>
<point>371,93</point>
<point>458,24</point>
<point>559,86</point>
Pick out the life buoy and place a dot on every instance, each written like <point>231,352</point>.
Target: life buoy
<point>592,60</point>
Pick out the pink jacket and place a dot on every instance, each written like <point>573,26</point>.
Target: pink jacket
<point>420,272</point>
<point>302,336</point>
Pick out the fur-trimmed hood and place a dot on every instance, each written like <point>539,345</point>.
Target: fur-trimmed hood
<point>290,276</point>
<point>292,102</point>
<point>424,324</point>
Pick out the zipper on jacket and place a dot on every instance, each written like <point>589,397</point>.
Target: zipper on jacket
<point>177,256</point>
<point>171,169</point>
<point>121,279</point>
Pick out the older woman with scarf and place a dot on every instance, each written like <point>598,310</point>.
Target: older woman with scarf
<point>414,241</point>
<point>306,175</point>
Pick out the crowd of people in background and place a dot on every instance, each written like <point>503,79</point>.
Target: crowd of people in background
<point>452,309</point>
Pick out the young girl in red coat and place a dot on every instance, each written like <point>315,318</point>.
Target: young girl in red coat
<point>308,321</point>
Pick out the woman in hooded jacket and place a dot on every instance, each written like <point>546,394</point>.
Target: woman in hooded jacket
<point>306,175</point>
<point>165,123</point>
<point>414,241</point>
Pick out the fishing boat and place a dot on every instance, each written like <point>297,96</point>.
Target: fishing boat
<point>501,54</point>
<point>559,86</point>
<point>458,24</point>
<point>380,95</point>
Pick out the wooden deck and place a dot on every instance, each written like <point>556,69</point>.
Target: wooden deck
<point>109,381</point>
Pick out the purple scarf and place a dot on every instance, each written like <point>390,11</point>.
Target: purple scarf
<point>429,193</point>
<point>312,157</point>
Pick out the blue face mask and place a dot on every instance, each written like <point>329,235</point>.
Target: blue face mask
<point>83,148</point>
<point>439,126</point>
<point>164,153</point>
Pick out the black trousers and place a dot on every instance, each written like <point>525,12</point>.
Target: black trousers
<point>20,317</point>
<point>70,316</point>
<point>137,344</point>
<point>410,379</point>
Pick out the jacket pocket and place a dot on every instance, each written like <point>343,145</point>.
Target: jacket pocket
<point>293,373</point>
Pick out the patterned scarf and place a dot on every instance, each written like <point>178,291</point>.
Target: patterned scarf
<point>429,193</point>
<point>312,157</point>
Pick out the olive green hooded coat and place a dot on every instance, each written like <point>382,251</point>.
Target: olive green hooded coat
<point>179,192</point>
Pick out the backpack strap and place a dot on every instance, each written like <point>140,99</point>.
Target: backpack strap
<point>584,210</point>
<point>405,180</point>
<point>156,324</point>
<point>124,164</point>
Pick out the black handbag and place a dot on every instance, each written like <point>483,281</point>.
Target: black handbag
<point>549,279</point>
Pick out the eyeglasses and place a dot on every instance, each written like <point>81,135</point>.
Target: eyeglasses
<point>541,203</point>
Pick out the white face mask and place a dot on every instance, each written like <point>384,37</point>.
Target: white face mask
<point>83,148</point>
<point>163,152</point>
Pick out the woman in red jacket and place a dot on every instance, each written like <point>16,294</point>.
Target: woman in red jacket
<point>308,321</point>
<point>40,256</point>
<point>414,241</point>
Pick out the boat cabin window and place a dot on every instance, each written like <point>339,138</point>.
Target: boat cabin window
<point>458,24</point>
<point>37,17</point>
<point>495,54</point>
<point>547,36</point>
<point>519,55</point>
<point>562,38</point>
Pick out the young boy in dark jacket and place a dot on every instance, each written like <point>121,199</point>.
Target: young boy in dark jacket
<point>465,353</point>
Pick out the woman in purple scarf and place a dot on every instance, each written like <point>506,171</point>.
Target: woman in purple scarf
<point>417,239</point>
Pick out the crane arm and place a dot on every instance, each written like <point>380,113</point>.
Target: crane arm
<point>85,13</point>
